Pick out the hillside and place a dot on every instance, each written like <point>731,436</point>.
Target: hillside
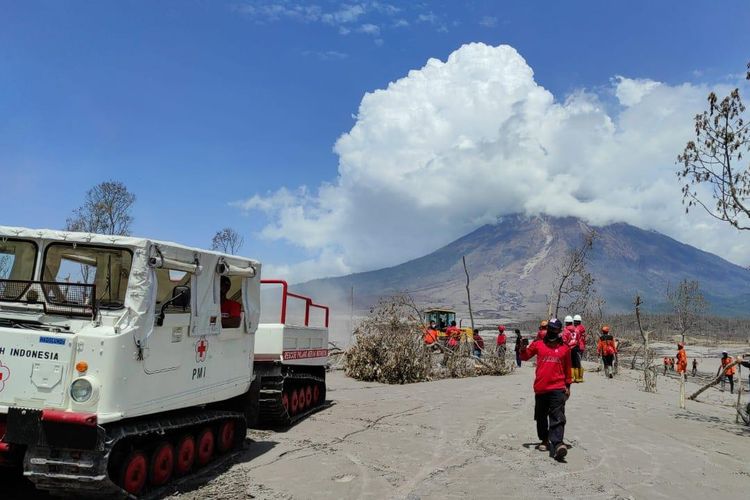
<point>513,264</point>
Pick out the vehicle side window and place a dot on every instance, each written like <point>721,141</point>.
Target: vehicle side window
<point>170,284</point>
<point>231,302</point>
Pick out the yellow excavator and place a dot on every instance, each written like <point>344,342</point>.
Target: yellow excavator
<point>443,318</point>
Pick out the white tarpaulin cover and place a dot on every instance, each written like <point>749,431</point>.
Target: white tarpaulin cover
<point>140,299</point>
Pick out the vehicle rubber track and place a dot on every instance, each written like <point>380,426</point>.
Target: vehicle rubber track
<point>88,474</point>
<point>273,413</point>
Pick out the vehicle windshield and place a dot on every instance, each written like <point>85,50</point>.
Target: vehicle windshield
<point>17,259</point>
<point>107,268</point>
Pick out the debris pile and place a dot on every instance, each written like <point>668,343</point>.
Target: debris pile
<point>388,345</point>
<point>389,348</point>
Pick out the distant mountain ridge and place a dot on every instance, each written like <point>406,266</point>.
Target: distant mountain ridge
<point>513,264</point>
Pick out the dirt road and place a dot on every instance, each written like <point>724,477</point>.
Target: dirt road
<point>474,438</point>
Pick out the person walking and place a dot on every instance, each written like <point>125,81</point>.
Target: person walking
<point>551,388</point>
<point>666,364</point>
<point>581,336</point>
<point>570,337</point>
<point>607,350</point>
<point>518,347</point>
<point>726,360</point>
<point>500,345</point>
<point>695,367</point>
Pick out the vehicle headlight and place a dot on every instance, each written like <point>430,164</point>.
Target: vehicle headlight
<point>81,390</point>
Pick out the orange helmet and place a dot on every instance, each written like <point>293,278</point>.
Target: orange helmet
<point>605,329</point>
<point>543,324</point>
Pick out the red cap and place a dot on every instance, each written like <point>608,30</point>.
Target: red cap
<point>501,328</point>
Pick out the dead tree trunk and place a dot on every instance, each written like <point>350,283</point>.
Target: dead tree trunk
<point>649,372</point>
<point>469,338</point>
<point>717,379</point>
<point>468,294</point>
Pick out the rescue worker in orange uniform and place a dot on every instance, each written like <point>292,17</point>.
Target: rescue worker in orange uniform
<point>607,350</point>
<point>681,360</point>
<point>431,334</point>
<point>726,359</point>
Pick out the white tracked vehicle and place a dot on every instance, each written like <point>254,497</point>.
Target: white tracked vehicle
<point>290,361</point>
<point>117,371</point>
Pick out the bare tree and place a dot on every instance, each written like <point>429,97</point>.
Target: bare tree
<point>105,210</point>
<point>594,317</point>
<point>575,283</point>
<point>714,158</point>
<point>688,305</point>
<point>228,241</point>
<point>649,370</point>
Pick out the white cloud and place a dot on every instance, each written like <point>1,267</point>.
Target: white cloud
<point>456,144</point>
<point>427,17</point>
<point>274,11</point>
<point>369,29</point>
<point>630,92</point>
<point>488,22</point>
<point>345,14</point>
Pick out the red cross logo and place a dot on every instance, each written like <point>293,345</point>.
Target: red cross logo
<point>201,348</point>
<point>4,375</point>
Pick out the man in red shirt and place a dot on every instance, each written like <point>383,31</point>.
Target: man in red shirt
<point>551,388</point>
<point>454,335</point>
<point>478,344</point>
<point>231,311</point>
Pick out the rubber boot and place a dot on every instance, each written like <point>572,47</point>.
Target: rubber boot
<point>580,374</point>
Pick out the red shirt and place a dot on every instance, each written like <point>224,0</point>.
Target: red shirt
<point>478,342</point>
<point>501,339</point>
<point>570,336</point>
<point>453,331</point>
<point>581,331</point>
<point>553,370</point>
<point>230,309</point>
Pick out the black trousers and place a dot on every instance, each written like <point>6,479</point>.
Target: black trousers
<point>575,357</point>
<point>549,414</point>
<point>730,378</point>
<point>608,359</point>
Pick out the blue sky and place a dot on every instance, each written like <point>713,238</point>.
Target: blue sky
<point>197,104</point>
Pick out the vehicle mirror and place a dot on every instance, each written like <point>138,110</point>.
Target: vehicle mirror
<point>181,297</point>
